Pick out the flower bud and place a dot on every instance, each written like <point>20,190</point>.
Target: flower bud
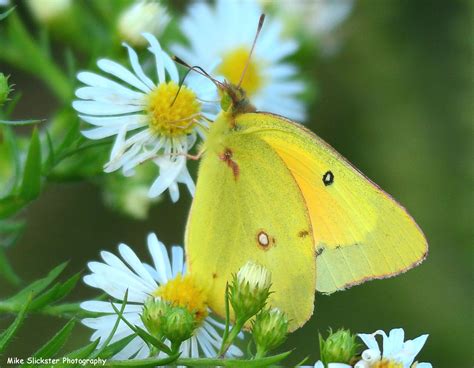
<point>249,290</point>
<point>178,324</point>
<point>153,315</point>
<point>269,329</point>
<point>142,17</point>
<point>48,11</point>
<point>339,347</point>
<point>4,89</point>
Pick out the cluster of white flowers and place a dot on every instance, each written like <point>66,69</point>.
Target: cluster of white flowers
<point>115,276</point>
<point>395,352</point>
<point>147,117</point>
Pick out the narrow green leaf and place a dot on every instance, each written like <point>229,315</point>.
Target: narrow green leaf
<point>56,293</point>
<point>51,159</point>
<point>7,13</point>
<point>6,270</point>
<point>151,362</point>
<point>22,122</point>
<point>49,349</point>
<point>31,185</point>
<point>114,329</point>
<point>81,353</point>
<point>70,138</point>
<point>8,334</point>
<point>37,286</point>
<point>85,351</point>
<point>144,334</point>
<point>112,349</point>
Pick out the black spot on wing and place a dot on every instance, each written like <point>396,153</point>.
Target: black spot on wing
<point>328,178</point>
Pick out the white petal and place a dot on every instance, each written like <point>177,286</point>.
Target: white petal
<point>133,346</point>
<point>103,108</point>
<point>393,343</point>
<point>131,258</point>
<point>370,341</point>
<point>168,175</point>
<point>110,95</point>
<point>122,73</point>
<point>105,307</point>
<point>137,68</point>
<point>116,120</point>
<point>155,48</point>
<point>96,80</point>
<point>160,258</point>
<point>177,258</point>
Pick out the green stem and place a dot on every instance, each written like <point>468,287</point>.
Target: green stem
<point>66,310</point>
<point>229,339</point>
<point>260,353</point>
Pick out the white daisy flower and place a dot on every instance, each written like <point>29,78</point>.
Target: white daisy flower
<point>395,351</point>
<point>318,17</point>
<point>220,39</point>
<point>150,120</point>
<point>142,16</point>
<point>319,364</point>
<point>165,280</point>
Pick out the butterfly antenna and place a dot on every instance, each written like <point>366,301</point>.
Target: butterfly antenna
<point>181,85</point>
<point>198,70</point>
<point>259,28</point>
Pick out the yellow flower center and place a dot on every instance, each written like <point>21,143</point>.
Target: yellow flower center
<point>183,292</point>
<point>384,363</point>
<point>172,115</point>
<point>232,66</point>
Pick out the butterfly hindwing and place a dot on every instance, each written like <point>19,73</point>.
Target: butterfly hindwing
<point>360,232</point>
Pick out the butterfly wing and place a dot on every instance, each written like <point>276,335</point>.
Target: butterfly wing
<point>247,206</point>
<point>360,232</point>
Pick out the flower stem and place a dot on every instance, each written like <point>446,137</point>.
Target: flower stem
<point>229,339</point>
<point>66,310</point>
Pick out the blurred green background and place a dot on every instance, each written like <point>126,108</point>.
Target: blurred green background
<point>397,101</point>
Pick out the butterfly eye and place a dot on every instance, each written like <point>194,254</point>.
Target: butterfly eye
<point>328,178</point>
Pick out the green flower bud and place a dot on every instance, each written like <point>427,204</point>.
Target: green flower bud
<point>269,329</point>
<point>178,324</point>
<point>249,290</point>
<point>46,12</point>
<point>4,89</point>
<point>153,315</point>
<point>339,347</point>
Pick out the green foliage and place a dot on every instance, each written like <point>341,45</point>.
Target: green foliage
<point>9,333</point>
<point>52,347</point>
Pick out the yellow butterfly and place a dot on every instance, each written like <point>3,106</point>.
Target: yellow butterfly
<point>272,192</point>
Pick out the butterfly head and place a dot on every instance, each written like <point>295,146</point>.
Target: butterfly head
<point>234,100</point>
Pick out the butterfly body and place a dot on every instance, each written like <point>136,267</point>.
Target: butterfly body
<point>272,192</point>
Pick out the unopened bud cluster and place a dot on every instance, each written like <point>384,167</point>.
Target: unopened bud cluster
<point>249,290</point>
<point>248,296</point>
<point>161,319</point>
<point>339,347</point>
<point>269,329</point>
